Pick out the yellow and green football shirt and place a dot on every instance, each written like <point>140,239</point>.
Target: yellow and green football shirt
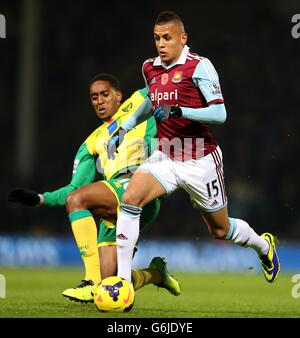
<point>133,150</point>
<point>92,155</point>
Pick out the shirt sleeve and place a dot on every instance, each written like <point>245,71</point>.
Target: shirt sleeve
<point>206,79</point>
<point>84,171</point>
<point>143,113</point>
<point>215,113</point>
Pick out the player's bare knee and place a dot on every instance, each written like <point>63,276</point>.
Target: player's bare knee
<point>74,201</point>
<point>131,198</point>
<point>218,233</point>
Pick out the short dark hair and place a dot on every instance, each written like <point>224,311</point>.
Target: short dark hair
<point>115,83</point>
<point>167,16</point>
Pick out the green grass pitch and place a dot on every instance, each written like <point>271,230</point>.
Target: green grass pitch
<point>36,293</point>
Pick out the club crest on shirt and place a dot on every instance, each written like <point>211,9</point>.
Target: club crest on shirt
<point>164,79</point>
<point>153,80</point>
<point>177,77</point>
<point>127,108</point>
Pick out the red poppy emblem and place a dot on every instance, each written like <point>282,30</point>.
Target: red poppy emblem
<point>164,79</point>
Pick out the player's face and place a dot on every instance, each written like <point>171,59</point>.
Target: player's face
<point>105,99</point>
<point>170,39</point>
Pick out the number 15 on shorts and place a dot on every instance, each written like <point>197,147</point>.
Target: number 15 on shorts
<point>212,189</point>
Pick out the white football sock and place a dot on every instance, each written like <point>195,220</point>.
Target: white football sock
<point>127,234</point>
<point>242,234</point>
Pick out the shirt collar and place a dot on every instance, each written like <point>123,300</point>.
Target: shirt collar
<point>180,61</point>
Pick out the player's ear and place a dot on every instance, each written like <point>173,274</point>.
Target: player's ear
<point>119,96</point>
<point>184,38</point>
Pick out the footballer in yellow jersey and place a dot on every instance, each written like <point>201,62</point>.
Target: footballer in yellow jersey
<point>85,199</point>
<point>136,144</point>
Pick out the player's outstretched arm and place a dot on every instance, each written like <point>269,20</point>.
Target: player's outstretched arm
<point>143,113</point>
<point>84,171</point>
<point>25,197</point>
<point>215,113</point>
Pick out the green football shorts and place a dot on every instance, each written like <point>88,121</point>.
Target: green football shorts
<point>107,230</point>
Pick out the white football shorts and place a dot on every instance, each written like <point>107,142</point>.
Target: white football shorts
<point>202,179</point>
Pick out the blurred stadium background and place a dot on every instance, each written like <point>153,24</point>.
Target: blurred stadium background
<point>51,51</point>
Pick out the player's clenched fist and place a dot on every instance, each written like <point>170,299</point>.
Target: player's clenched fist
<point>165,111</point>
<point>23,196</point>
